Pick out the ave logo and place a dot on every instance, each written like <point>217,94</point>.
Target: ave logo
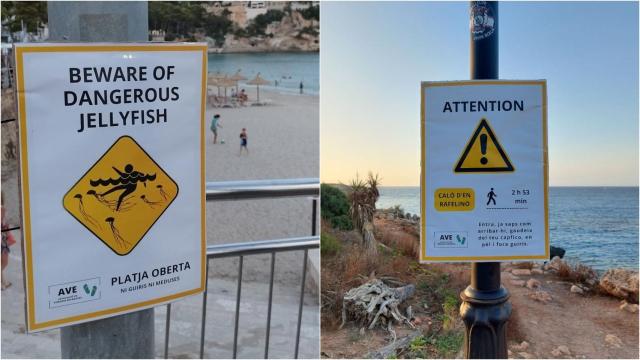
<point>67,290</point>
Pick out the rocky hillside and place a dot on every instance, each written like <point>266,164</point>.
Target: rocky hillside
<point>292,33</point>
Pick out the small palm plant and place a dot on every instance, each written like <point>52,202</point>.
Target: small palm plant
<point>362,198</point>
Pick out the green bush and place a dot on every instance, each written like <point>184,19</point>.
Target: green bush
<point>335,207</point>
<point>329,245</point>
<point>312,12</point>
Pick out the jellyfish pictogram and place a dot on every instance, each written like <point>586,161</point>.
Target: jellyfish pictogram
<point>116,234</point>
<point>153,204</point>
<point>86,216</point>
<point>164,195</point>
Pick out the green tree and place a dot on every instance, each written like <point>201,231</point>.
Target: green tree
<point>259,24</point>
<point>32,13</point>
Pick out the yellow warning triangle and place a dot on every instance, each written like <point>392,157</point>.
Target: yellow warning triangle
<point>483,153</point>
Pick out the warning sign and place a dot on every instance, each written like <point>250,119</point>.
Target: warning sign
<point>121,196</point>
<point>112,177</point>
<point>483,153</point>
<point>484,191</point>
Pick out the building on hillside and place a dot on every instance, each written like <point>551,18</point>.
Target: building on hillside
<point>242,12</point>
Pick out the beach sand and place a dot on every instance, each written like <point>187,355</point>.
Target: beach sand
<point>283,143</point>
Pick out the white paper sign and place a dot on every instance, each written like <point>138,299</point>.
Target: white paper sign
<point>112,166</point>
<point>484,171</point>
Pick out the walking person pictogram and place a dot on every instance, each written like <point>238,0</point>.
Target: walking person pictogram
<point>491,195</point>
<point>128,181</point>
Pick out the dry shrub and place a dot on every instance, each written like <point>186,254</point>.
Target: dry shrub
<point>582,273</point>
<point>406,243</point>
<point>578,273</point>
<point>341,272</point>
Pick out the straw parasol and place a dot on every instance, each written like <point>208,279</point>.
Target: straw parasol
<point>237,77</point>
<point>226,82</point>
<point>215,79</point>
<point>258,81</point>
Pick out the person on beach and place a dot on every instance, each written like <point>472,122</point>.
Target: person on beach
<point>301,87</point>
<point>7,241</point>
<point>243,141</point>
<point>215,123</point>
<point>242,97</point>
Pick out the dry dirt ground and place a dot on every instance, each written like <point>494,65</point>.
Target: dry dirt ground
<point>579,322</point>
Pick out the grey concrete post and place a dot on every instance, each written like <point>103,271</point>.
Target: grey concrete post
<point>130,335</point>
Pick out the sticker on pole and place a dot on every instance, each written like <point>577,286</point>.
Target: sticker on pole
<point>484,187</point>
<point>112,177</point>
<point>119,201</point>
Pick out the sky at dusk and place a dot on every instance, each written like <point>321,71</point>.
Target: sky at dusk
<point>374,56</point>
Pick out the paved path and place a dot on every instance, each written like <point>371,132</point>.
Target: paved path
<point>185,322</point>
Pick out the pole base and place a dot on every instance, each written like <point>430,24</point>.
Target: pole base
<point>129,336</point>
<point>485,315</point>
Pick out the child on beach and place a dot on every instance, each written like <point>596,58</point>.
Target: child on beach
<point>243,141</point>
<point>215,123</point>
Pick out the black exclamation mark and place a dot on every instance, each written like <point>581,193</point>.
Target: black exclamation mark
<point>483,148</point>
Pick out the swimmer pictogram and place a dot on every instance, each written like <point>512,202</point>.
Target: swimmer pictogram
<point>127,182</point>
<point>121,196</point>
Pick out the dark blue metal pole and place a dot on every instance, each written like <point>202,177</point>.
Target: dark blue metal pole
<point>485,308</point>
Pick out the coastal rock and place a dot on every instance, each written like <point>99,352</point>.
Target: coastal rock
<point>613,341</point>
<point>537,272</point>
<point>577,290</point>
<point>632,308</point>
<point>523,346</point>
<point>556,251</point>
<point>416,217</point>
<point>564,350</point>
<point>521,272</point>
<point>542,296</point>
<point>533,284</point>
<point>560,350</point>
<point>621,283</point>
<point>554,264</point>
<point>517,282</point>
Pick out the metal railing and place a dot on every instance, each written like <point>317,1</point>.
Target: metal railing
<point>248,190</point>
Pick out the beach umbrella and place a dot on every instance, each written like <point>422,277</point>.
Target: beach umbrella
<point>226,82</point>
<point>257,81</point>
<point>215,78</point>
<point>237,77</point>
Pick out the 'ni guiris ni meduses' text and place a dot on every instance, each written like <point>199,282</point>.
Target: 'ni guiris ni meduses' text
<point>110,95</point>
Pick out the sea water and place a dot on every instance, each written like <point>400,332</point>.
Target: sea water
<point>289,69</point>
<point>597,226</point>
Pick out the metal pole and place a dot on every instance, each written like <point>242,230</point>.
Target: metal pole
<point>485,308</point>
<point>130,335</point>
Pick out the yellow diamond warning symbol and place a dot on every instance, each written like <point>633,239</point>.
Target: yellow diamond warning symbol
<point>483,153</point>
<point>121,196</point>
